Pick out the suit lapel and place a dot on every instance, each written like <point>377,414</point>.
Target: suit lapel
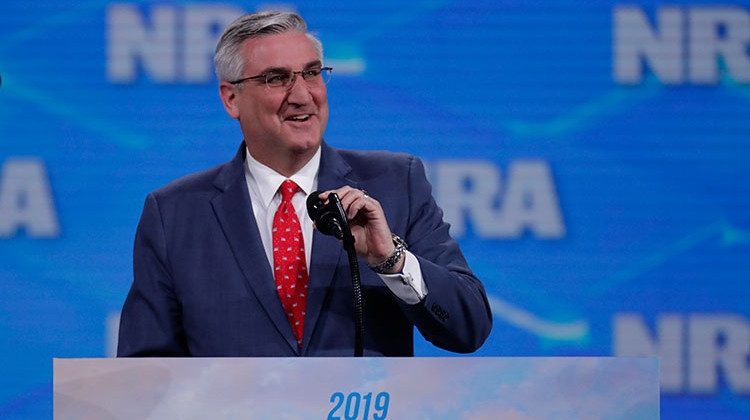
<point>235,214</point>
<point>327,253</point>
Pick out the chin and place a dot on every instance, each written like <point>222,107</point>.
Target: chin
<point>306,145</point>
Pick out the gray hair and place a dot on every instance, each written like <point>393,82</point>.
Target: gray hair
<point>228,59</point>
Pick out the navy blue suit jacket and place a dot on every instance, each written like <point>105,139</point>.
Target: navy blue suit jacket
<point>203,285</point>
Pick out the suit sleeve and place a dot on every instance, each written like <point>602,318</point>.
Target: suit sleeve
<point>455,315</point>
<point>151,323</point>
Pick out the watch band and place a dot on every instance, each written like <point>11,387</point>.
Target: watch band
<point>386,265</point>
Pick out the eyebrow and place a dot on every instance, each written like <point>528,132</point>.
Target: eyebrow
<point>311,64</point>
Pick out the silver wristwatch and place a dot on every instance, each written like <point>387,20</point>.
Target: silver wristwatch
<point>386,265</point>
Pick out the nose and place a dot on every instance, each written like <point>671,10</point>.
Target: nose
<point>299,93</point>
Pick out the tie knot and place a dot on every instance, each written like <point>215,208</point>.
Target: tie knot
<point>288,188</point>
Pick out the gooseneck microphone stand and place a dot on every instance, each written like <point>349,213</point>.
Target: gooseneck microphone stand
<point>359,329</point>
<point>330,219</point>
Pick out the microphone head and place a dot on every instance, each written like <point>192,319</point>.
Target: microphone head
<point>326,216</point>
<point>314,204</point>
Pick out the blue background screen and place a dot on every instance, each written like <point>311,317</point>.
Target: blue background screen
<point>592,158</point>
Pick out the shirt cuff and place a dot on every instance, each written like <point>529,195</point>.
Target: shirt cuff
<point>408,285</point>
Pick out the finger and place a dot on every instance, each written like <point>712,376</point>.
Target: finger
<point>355,194</point>
<point>324,195</point>
<point>359,204</point>
<point>348,195</point>
<point>365,206</point>
<point>339,191</point>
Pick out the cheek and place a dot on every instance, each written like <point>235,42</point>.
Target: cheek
<point>264,107</point>
<point>322,103</point>
<point>323,119</point>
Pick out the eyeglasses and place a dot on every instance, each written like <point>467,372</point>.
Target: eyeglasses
<point>280,78</point>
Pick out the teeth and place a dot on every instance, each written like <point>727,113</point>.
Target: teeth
<point>299,118</point>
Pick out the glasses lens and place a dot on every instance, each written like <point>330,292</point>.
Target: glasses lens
<point>313,76</point>
<point>326,74</point>
<point>278,78</point>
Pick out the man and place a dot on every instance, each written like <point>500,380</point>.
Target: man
<point>227,261</point>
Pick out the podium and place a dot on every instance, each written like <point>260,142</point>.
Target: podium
<point>454,388</point>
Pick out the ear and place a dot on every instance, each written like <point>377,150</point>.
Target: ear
<point>230,98</point>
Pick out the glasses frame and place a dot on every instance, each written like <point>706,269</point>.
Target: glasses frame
<point>292,80</point>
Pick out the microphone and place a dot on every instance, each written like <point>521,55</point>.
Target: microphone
<point>330,218</point>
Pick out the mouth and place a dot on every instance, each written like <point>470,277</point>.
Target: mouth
<point>298,118</point>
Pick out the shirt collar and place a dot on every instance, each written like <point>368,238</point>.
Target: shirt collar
<point>268,180</point>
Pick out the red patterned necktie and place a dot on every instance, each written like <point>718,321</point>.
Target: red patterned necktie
<point>289,266</point>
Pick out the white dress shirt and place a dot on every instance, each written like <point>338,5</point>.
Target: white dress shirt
<point>263,185</point>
